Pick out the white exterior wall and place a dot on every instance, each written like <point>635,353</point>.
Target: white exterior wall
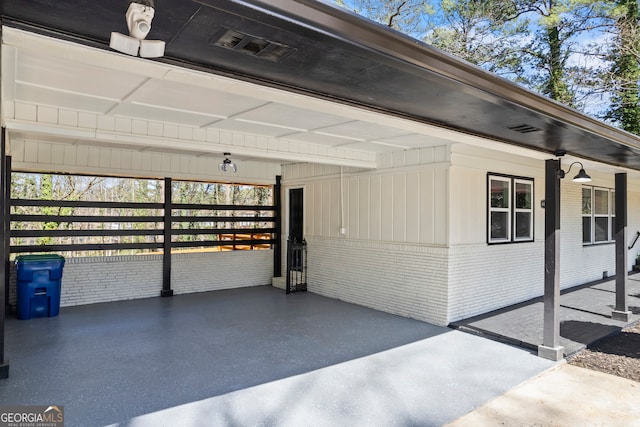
<point>485,277</point>
<point>404,279</point>
<point>393,256</point>
<point>93,280</point>
<point>416,233</point>
<point>212,271</point>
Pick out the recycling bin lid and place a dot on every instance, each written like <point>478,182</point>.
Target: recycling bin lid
<point>41,257</point>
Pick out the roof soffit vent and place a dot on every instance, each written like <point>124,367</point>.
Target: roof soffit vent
<point>524,128</point>
<point>251,45</point>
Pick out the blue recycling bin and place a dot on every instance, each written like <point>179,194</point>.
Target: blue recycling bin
<point>38,282</point>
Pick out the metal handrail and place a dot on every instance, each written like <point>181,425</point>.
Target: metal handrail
<point>635,239</point>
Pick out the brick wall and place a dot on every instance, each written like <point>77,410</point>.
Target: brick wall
<point>211,271</point>
<point>485,277</point>
<point>102,279</point>
<point>408,280</point>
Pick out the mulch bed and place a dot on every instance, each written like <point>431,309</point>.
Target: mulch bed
<point>618,354</point>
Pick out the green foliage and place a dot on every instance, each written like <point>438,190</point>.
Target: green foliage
<point>482,33</point>
<point>625,70</point>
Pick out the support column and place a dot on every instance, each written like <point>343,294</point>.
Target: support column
<point>166,254</point>
<point>550,347</point>
<point>621,312</point>
<point>7,227</point>
<point>4,236</point>
<point>277,247</point>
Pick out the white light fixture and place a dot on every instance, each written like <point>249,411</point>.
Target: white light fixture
<point>138,17</point>
<point>124,44</point>
<point>227,164</point>
<point>151,48</point>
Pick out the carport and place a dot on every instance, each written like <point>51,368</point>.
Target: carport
<point>253,357</point>
<point>352,92</point>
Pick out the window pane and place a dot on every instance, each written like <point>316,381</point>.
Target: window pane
<point>601,202</point>
<point>586,201</point>
<point>613,228</point>
<point>523,195</point>
<point>613,203</point>
<point>523,225</point>
<point>586,229</point>
<point>499,194</point>
<point>499,225</point>
<point>602,229</point>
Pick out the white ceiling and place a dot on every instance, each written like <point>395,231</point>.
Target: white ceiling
<point>47,72</point>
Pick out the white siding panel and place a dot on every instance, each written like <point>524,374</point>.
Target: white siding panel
<point>468,206</point>
<point>364,207</point>
<point>82,156</point>
<point>334,197</point>
<point>441,205</point>
<point>376,203</point>
<point>93,159</point>
<point>353,228</point>
<point>30,152</point>
<point>326,209</point>
<point>57,154</point>
<point>399,196</point>
<point>427,207</point>
<point>413,207</point>
<point>26,112</point>
<point>311,215</point>
<point>44,153</point>
<point>317,209</point>
<point>105,158</point>
<point>17,150</point>
<point>386,211</point>
<point>70,155</point>
<point>116,159</point>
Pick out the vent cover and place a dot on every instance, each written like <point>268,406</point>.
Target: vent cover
<point>524,128</point>
<point>251,45</point>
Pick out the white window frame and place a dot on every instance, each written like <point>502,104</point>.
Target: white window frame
<point>510,210</point>
<point>609,215</point>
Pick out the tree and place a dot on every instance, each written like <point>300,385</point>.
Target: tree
<point>485,33</point>
<point>624,78</point>
<point>557,55</point>
<point>406,16</point>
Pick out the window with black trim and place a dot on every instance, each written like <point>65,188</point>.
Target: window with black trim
<point>598,215</point>
<point>510,209</point>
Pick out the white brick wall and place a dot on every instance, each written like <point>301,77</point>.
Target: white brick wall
<point>408,280</point>
<point>485,277</point>
<point>211,271</point>
<point>103,279</point>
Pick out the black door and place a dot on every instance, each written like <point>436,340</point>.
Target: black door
<point>296,208</point>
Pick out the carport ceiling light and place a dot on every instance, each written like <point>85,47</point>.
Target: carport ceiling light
<point>227,164</point>
<point>138,16</point>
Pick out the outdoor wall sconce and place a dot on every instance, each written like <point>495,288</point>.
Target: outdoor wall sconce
<point>580,177</point>
<point>227,164</point>
<point>139,16</point>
